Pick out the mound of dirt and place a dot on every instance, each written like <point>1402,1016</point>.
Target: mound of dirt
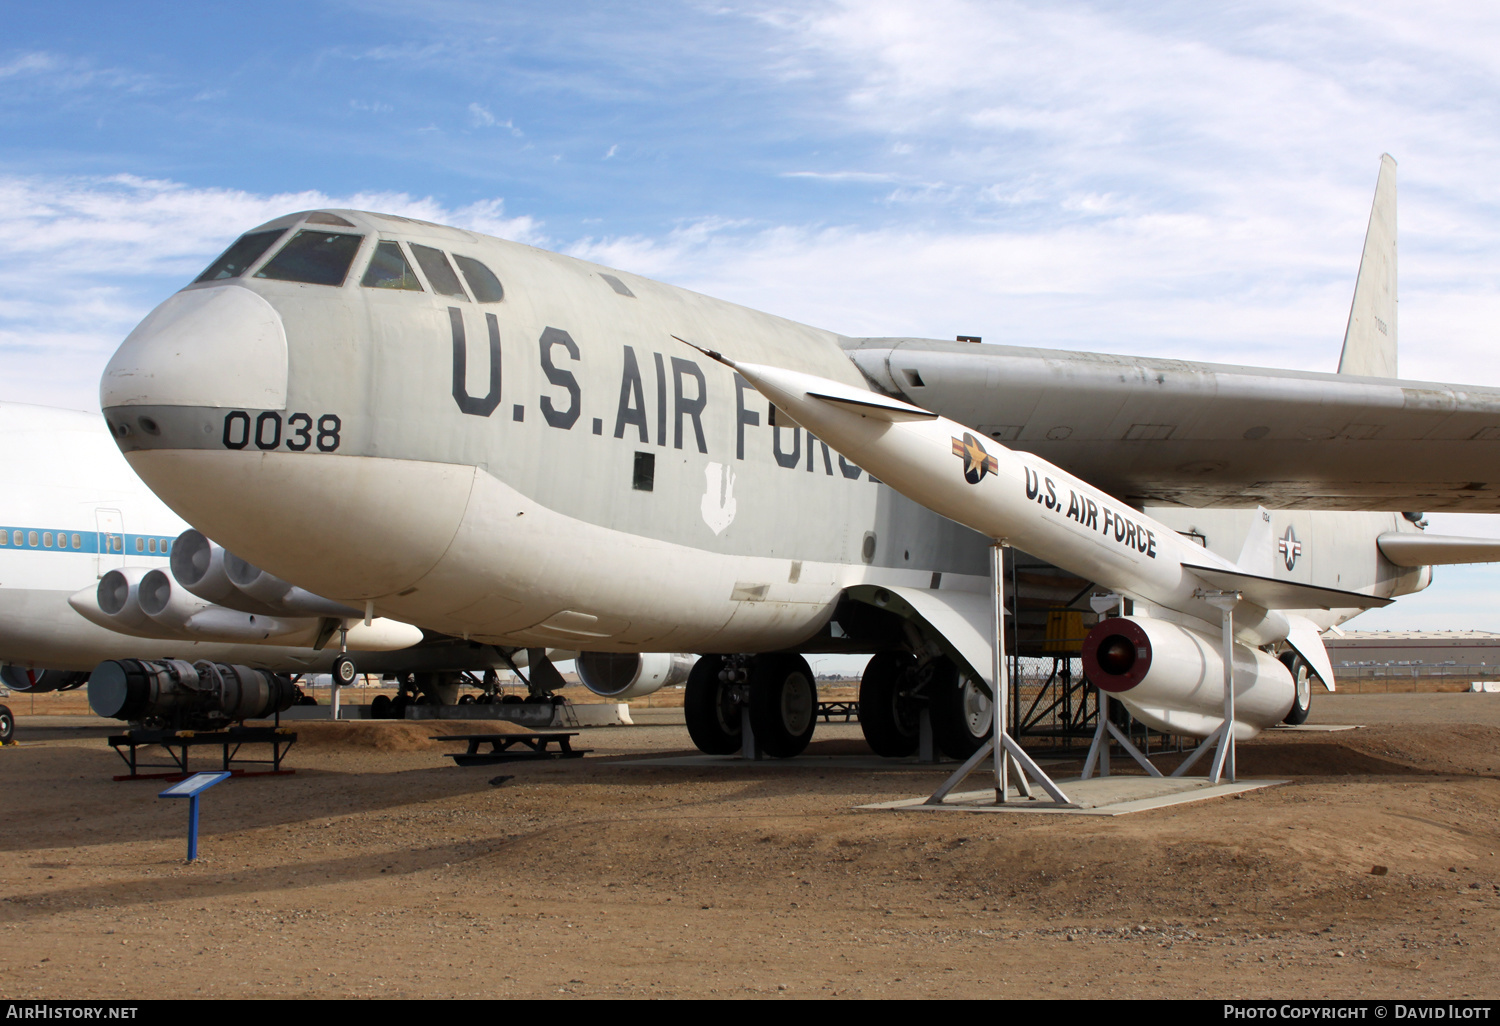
<point>395,735</point>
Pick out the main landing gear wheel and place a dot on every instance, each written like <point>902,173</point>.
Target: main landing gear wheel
<point>1303,677</point>
<point>713,718</point>
<point>783,704</point>
<point>7,725</point>
<point>888,713</point>
<point>962,716</point>
<point>344,671</point>
<point>380,708</point>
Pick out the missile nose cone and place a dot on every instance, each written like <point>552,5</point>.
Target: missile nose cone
<point>217,347</point>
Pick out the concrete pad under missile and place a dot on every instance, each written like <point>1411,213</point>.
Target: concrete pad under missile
<point>1099,796</point>
<point>871,763</point>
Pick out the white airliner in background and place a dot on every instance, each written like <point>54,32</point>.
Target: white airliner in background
<point>513,446</point>
<point>77,525</point>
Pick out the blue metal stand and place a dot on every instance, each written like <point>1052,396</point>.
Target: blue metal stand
<point>190,789</point>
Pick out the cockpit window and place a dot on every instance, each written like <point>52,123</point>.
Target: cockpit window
<point>482,281</point>
<point>318,258</point>
<point>389,270</point>
<point>246,250</point>
<point>439,272</point>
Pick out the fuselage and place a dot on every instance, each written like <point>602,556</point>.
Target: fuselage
<point>507,444</point>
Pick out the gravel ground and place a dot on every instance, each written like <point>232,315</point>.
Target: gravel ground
<point>381,869</point>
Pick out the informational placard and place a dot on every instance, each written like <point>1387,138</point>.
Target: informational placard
<point>193,785</point>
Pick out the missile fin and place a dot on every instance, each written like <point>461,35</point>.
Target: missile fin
<point>1273,594</point>
<point>1258,556</point>
<point>1308,642</point>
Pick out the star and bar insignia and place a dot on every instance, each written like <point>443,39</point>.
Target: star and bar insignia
<point>1290,548</point>
<point>977,459</point>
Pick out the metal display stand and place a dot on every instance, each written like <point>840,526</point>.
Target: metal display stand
<point>179,743</point>
<point>1004,750</point>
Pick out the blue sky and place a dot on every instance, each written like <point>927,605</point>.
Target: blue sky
<point>1186,180</point>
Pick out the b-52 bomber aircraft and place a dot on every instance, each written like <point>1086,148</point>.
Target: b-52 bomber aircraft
<point>504,444</point>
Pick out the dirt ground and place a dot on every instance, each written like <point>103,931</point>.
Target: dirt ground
<point>380,869</point>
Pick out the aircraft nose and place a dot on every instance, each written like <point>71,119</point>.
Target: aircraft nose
<point>217,347</point>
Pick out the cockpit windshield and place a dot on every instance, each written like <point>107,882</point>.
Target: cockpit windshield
<point>237,258</point>
<point>439,272</point>
<point>389,270</point>
<point>317,258</point>
<point>482,281</point>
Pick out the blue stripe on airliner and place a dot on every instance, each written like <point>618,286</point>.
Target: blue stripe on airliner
<point>37,538</point>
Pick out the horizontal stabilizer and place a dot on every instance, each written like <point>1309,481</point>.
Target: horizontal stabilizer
<point>1270,593</point>
<point>1410,549</point>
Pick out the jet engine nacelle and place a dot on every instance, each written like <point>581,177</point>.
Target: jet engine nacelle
<point>219,576</point>
<point>37,682</point>
<point>119,598</point>
<point>148,603</point>
<point>183,694</point>
<point>1171,677</point>
<point>624,675</point>
<point>178,611</point>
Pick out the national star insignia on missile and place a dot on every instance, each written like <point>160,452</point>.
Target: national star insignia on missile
<point>977,459</point>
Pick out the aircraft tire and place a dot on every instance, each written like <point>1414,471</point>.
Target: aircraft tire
<point>783,704</point>
<point>380,707</point>
<point>889,718</point>
<point>962,717</point>
<point>713,721</point>
<point>7,725</point>
<point>1302,677</point>
<point>344,671</point>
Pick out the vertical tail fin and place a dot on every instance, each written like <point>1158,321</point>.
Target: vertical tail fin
<point>1370,339</point>
<point>1258,556</point>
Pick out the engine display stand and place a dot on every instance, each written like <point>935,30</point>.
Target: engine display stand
<point>180,743</point>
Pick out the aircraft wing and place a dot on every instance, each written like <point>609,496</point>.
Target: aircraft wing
<point>1157,431</point>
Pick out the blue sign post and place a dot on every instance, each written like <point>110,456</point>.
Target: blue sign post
<point>190,789</point>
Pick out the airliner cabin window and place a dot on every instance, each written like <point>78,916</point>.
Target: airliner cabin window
<point>237,258</point>
<point>317,258</point>
<point>482,281</point>
<point>439,272</point>
<point>389,270</point>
